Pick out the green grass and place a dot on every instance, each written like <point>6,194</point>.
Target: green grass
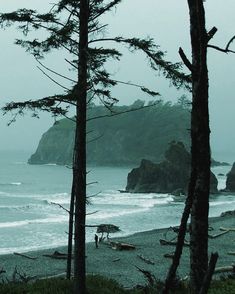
<point>101,285</point>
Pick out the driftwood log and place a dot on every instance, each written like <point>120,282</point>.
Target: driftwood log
<point>61,275</point>
<point>57,255</point>
<point>224,269</point>
<point>24,255</point>
<point>231,253</point>
<point>169,255</point>
<point>148,261</point>
<point>227,229</point>
<point>121,246</point>
<point>166,242</point>
<point>218,235</point>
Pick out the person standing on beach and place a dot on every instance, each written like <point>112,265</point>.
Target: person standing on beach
<point>96,241</point>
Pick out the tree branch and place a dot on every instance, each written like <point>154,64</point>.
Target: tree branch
<point>211,33</point>
<point>220,49</point>
<point>185,59</point>
<point>226,49</point>
<point>122,112</point>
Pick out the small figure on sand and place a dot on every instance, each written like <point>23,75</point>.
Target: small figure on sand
<point>96,241</point>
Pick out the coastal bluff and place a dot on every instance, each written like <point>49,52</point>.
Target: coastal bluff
<point>120,140</point>
<point>169,176</point>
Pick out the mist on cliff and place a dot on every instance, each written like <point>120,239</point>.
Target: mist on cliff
<point>168,23</point>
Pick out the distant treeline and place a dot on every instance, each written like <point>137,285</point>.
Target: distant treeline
<point>122,139</point>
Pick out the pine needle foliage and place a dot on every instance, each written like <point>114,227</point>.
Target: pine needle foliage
<point>61,25</point>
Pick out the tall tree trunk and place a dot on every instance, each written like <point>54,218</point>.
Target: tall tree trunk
<point>70,235</point>
<point>79,167</point>
<point>200,134</point>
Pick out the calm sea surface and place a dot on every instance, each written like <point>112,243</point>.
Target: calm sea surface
<point>29,221</point>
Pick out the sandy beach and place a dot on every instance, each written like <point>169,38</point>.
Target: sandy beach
<point>121,265</point>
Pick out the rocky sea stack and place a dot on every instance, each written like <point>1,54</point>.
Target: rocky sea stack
<point>169,176</point>
<point>230,182</point>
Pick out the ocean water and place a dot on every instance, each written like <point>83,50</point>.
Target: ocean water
<point>29,220</point>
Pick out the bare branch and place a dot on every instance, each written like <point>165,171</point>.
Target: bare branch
<point>119,113</point>
<point>93,212</point>
<point>54,72</point>
<point>95,139</point>
<point>61,206</point>
<point>229,42</point>
<point>226,49</point>
<point>185,59</point>
<point>211,33</point>
<point>220,49</point>
<point>54,81</point>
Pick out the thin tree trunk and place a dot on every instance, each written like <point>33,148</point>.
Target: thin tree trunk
<point>79,167</point>
<point>200,134</point>
<point>209,274</point>
<point>70,235</point>
<point>169,283</point>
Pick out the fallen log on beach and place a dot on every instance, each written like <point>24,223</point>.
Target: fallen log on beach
<point>57,255</point>
<point>24,255</point>
<point>169,255</point>
<point>121,246</point>
<point>148,261</point>
<point>224,269</point>
<point>166,242</point>
<point>231,253</point>
<point>218,235</point>
<point>227,229</point>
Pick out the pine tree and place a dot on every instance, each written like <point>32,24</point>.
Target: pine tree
<point>74,26</point>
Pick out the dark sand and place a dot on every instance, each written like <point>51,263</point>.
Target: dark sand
<point>121,265</point>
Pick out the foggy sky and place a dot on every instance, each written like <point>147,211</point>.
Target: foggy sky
<point>168,23</point>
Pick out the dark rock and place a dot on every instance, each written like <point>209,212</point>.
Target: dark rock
<point>169,176</point>
<point>228,213</point>
<point>220,174</point>
<point>230,182</point>
<point>178,192</point>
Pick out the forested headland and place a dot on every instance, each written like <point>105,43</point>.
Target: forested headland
<point>122,139</point>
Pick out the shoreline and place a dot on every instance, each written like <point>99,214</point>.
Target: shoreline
<point>121,265</point>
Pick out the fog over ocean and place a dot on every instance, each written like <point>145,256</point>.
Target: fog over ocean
<point>28,220</point>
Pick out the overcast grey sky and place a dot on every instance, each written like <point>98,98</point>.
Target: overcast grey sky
<point>167,22</point>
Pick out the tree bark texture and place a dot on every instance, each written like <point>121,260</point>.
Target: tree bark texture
<point>79,164</point>
<point>200,149</point>
<point>70,234</point>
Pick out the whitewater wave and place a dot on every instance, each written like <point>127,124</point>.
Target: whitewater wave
<point>130,199</point>
<point>218,203</point>
<point>11,184</point>
<point>22,249</point>
<point>110,214</point>
<point>57,219</point>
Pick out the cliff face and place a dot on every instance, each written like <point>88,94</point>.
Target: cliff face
<point>119,140</point>
<point>56,145</point>
<point>169,176</point>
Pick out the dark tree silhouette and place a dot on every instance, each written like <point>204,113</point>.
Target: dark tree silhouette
<point>197,203</point>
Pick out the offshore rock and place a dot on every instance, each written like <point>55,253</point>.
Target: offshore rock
<point>230,182</point>
<point>169,176</point>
